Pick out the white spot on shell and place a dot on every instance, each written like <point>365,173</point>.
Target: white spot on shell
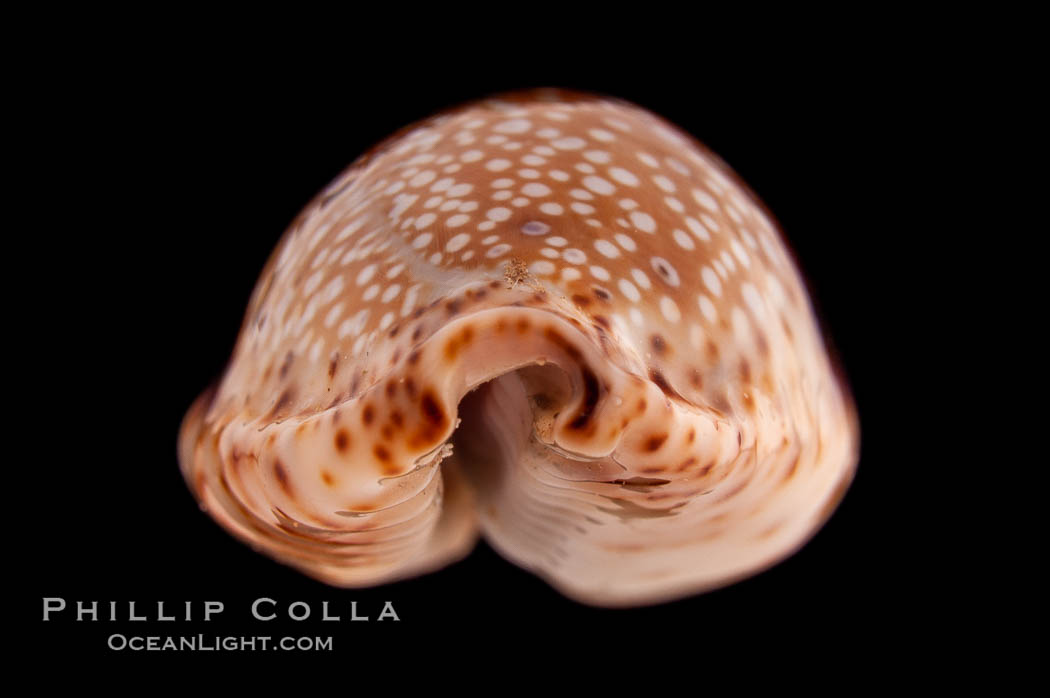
<point>535,228</point>
<point>513,126</point>
<point>623,176</point>
<point>570,274</point>
<point>457,243</point>
<point>626,242</point>
<point>599,185</point>
<point>365,275</point>
<point>629,290</point>
<point>570,143</point>
<point>542,267</point>
<point>643,221</point>
<point>670,310</point>
<point>535,189</point>
<point>665,271</point>
<point>664,183</point>
<point>574,256</point>
<point>711,281</point>
<point>600,273</point>
<point>606,248</point>
<point>705,200</point>
<point>649,160</point>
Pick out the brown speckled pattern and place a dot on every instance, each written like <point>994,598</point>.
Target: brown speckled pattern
<point>647,408</point>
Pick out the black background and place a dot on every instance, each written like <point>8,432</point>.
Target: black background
<point>170,179</point>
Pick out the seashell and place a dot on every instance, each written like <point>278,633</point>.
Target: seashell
<point>547,318</point>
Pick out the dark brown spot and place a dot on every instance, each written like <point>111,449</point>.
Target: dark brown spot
<point>282,477</point>
<point>342,440</point>
<point>410,387</point>
<point>658,344</point>
<point>733,491</point>
<point>721,402</point>
<point>745,371</point>
<point>641,484</point>
<point>451,348</point>
<point>763,343</point>
<point>417,333</point>
<point>286,365</point>
<point>652,469</point>
<point>453,306</point>
<point>391,388</point>
<point>327,478</point>
<point>711,351</point>
<point>749,401</point>
<point>522,325</point>
<point>601,293</point>
<point>543,401</point>
<point>565,345</point>
<point>501,325</point>
<point>394,330</point>
<point>653,443</point>
<point>381,453</point>
<point>642,404</point>
<point>283,401</point>
<point>687,463</point>
<point>396,419</point>
<point>413,358</point>
<point>706,469</point>
<point>432,409</point>
<point>590,401</point>
<point>603,323</point>
<point>368,415</point>
<point>396,357</point>
<point>333,364</point>
<point>580,300</point>
<point>696,379</point>
<point>662,384</point>
<point>387,431</point>
<point>691,435</point>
